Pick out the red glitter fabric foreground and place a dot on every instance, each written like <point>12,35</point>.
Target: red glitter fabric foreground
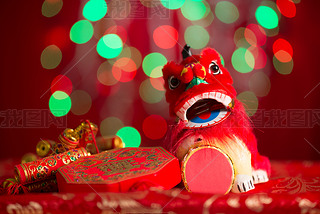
<point>294,188</point>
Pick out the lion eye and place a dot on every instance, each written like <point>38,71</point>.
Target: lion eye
<point>173,82</point>
<point>214,68</point>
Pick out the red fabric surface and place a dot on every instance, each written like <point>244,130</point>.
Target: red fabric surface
<point>294,188</point>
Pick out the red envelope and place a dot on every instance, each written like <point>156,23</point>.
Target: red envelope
<point>121,170</point>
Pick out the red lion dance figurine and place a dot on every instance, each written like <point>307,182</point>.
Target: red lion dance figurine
<point>212,127</point>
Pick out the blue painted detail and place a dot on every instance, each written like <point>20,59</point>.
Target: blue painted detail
<point>213,115</point>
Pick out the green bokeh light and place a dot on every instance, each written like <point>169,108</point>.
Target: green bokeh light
<point>243,60</point>
<point>172,4</point>
<point>51,57</point>
<point>227,12</point>
<point>193,10</point>
<point>153,61</point>
<point>59,103</point>
<point>250,101</point>
<point>51,8</point>
<point>130,136</point>
<point>267,17</point>
<point>95,10</point>
<point>196,36</point>
<point>110,126</point>
<point>149,94</point>
<point>81,32</point>
<point>283,68</point>
<point>109,46</point>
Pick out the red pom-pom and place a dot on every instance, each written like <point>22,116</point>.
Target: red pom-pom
<point>186,75</point>
<point>199,71</point>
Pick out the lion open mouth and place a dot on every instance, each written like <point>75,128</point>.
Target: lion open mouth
<point>206,109</point>
<point>203,107</point>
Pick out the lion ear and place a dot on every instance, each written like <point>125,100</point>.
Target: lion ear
<point>211,53</point>
<point>186,52</point>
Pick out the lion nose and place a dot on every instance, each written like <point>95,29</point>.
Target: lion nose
<point>199,71</point>
<point>193,74</point>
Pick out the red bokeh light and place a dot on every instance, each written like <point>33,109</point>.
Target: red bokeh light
<point>61,83</point>
<point>165,36</point>
<point>118,30</point>
<point>57,36</point>
<point>282,49</point>
<point>287,8</point>
<point>154,127</point>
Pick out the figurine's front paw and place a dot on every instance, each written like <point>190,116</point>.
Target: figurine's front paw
<point>243,183</point>
<point>259,176</point>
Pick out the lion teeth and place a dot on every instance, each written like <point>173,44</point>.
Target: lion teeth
<point>227,101</point>
<point>205,95</point>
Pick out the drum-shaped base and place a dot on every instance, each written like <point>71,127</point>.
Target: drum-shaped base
<point>207,169</point>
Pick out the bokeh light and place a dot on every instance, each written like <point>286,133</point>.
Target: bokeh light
<point>51,8</point>
<point>57,36</point>
<point>149,94</point>
<point>255,35</point>
<point>154,127</point>
<point>81,32</point>
<point>267,17</point>
<point>124,69</point>
<point>287,8</point>
<point>130,136</point>
<point>95,10</point>
<point>165,36</point>
<point>81,102</point>
<point>207,20</point>
<point>101,27</point>
<point>110,126</point>
<point>193,10</point>
<point>250,102</point>
<point>242,60</point>
<point>61,83</point>
<point>259,83</point>
<point>157,83</point>
<point>136,56</point>
<point>272,32</point>
<point>282,44</point>
<point>153,61</point>
<point>282,50</point>
<point>226,12</point>
<point>59,103</point>
<point>104,74</point>
<point>51,57</point>
<point>260,57</point>
<point>125,53</point>
<point>250,37</point>
<point>283,67</point>
<point>118,30</point>
<point>172,4</point>
<point>239,38</point>
<point>273,6</point>
<point>109,46</point>
<point>283,56</point>
<point>196,36</point>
